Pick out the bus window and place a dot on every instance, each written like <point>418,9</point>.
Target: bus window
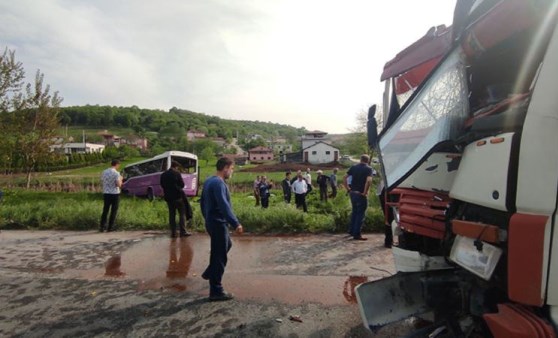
<point>187,165</point>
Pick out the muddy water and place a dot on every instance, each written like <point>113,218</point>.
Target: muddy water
<point>291,270</point>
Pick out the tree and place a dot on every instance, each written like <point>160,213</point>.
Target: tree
<point>36,125</point>
<point>30,117</point>
<point>207,154</point>
<point>356,143</point>
<point>11,83</point>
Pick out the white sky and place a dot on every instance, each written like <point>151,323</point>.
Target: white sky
<point>300,62</point>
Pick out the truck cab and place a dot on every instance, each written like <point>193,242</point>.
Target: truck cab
<point>472,179</point>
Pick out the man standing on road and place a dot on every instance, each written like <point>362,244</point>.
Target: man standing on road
<point>361,178</point>
<point>300,188</point>
<point>112,182</point>
<point>173,185</point>
<point>217,212</point>
<point>286,185</point>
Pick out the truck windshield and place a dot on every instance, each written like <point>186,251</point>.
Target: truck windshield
<point>436,114</point>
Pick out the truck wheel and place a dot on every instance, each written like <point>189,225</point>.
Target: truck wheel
<point>150,195</point>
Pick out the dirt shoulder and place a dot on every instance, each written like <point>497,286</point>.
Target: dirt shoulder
<point>144,284</point>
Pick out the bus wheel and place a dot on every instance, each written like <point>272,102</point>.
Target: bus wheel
<point>150,195</point>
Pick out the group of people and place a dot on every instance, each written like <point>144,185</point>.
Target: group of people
<point>300,186</point>
<point>217,210</point>
<point>173,188</point>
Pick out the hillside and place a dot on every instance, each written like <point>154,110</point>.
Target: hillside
<point>160,123</point>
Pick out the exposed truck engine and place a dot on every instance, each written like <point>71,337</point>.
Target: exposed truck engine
<point>469,158</point>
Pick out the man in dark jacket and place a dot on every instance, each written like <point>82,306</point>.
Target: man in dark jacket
<point>173,185</point>
<point>264,191</point>
<point>286,185</point>
<point>322,181</point>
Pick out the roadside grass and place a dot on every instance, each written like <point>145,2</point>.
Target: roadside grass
<point>22,209</point>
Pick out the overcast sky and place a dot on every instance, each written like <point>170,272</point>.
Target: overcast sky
<point>306,63</point>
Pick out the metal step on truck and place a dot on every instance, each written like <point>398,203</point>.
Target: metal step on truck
<point>469,158</point>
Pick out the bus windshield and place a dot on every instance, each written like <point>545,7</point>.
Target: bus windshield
<point>187,165</point>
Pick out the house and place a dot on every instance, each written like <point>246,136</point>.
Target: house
<point>239,159</point>
<point>320,152</point>
<point>194,134</point>
<point>221,142</point>
<point>137,142</point>
<point>117,141</point>
<point>77,148</point>
<point>260,154</point>
<point>280,145</point>
<point>110,139</point>
<point>313,137</point>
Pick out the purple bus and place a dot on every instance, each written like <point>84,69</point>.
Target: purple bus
<point>143,178</point>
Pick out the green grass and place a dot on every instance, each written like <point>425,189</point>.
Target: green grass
<point>81,211</point>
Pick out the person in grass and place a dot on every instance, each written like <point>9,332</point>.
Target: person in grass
<point>286,185</point>
<point>322,181</point>
<point>172,183</point>
<point>300,189</point>
<point>217,212</point>
<point>333,182</point>
<point>256,187</point>
<point>264,188</point>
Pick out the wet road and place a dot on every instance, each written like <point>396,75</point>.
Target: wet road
<point>145,284</point>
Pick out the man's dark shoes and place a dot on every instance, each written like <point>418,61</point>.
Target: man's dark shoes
<point>204,276</point>
<point>111,229</point>
<point>360,238</point>
<point>185,234</point>
<point>222,297</point>
<point>101,229</point>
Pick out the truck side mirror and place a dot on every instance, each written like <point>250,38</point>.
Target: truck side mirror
<point>372,127</point>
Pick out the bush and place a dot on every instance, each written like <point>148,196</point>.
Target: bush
<point>82,211</point>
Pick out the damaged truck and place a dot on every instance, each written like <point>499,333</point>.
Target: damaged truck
<point>469,158</point>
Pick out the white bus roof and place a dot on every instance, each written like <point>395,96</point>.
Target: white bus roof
<point>165,155</point>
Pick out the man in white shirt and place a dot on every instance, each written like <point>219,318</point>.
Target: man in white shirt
<point>300,188</point>
<point>308,177</point>
<point>112,182</point>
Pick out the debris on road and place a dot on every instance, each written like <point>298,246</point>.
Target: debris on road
<point>295,318</point>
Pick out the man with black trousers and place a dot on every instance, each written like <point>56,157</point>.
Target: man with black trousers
<point>286,185</point>
<point>173,185</point>
<point>361,179</point>
<point>112,182</point>
<point>217,211</point>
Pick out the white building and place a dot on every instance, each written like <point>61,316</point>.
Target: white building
<point>77,148</point>
<point>313,137</point>
<point>320,152</point>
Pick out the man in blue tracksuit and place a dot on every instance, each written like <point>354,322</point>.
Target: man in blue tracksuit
<point>217,212</point>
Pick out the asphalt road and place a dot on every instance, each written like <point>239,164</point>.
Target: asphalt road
<point>144,284</point>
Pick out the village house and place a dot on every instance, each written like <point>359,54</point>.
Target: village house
<point>280,145</point>
<point>77,148</point>
<point>320,152</point>
<point>259,154</point>
<point>239,159</point>
<point>194,134</point>
<point>313,137</point>
<point>117,141</point>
